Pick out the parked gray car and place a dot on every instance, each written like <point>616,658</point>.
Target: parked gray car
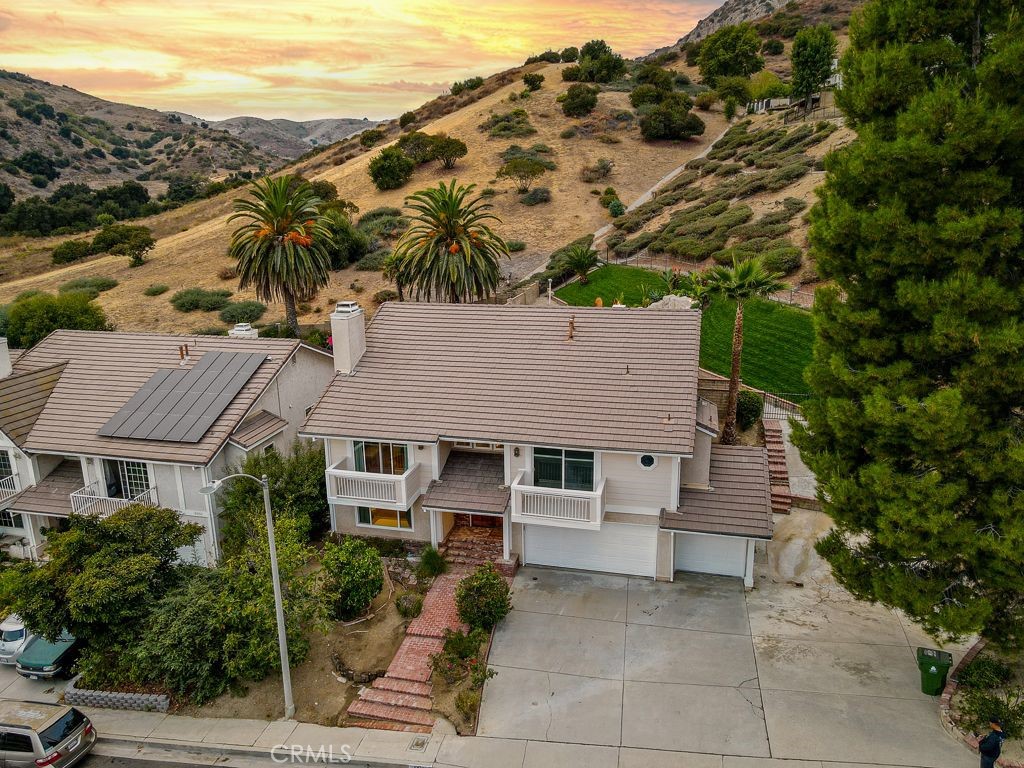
<point>36,734</point>
<point>13,638</point>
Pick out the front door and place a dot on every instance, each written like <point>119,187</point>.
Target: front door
<point>478,521</point>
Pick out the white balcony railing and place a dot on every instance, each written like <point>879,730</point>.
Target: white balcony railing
<point>556,506</point>
<point>348,486</point>
<point>8,487</point>
<point>89,501</point>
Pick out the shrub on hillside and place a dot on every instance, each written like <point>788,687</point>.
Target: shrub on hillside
<point>347,243</point>
<point>33,318</point>
<point>551,57</point>
<point>671,119</point>
<point>533,80</point>
<point>508,125</point>
<point>571,74</point>
<point>200,300</point>
<point>71,250</point>
<point>617,208</point>
<point>156,290</point>
<point>385,294</point>
<point>748,408</point>
<point>354,576</point>
<point>391,169</point>
<point>521,171</point>
<point>601,169</point>
<point>373,262</point>
<point>782,261</point>
<point>91,286</point>
<point>569,54</point>
<point>737,88</point>
<point>482,598</point>
<point>645,94</point>
<point>536,196</point>
<point>569,133</point>
<point>514,246</point>
<point>469,84</point>
<point>407,118</point>
<point>579,101</point>
<point>447,150</point>
<point>417,146</point>
<point>772,47</point>
<point>242,312</point>
<point>370,137</point>
<point>705,100</point>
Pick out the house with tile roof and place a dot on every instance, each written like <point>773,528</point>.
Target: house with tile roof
<point>566,437</point>
<point>91,422</point>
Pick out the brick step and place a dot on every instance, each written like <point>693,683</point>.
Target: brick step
<point>396,699</point>
<point>384,725</point>
<point>373,711</point>
<point>403,686</point>
<point>412,660</point>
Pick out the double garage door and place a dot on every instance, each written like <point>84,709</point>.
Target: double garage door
<point>722,555</point>
<point>616,548</point>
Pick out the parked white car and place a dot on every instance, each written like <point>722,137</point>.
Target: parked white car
<point>13,638</point>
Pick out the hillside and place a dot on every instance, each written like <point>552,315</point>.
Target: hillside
<point>88,140</point>
<point>288,139</point>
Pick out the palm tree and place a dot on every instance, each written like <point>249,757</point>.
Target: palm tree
<point>580,259</point>
<point>392,270</point>
<point>695,286</point>
<point>449,251</point>
<point>282,246</point>
<point>739,283</point>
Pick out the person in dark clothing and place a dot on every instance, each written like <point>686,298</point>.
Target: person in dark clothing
<point>992,745</point>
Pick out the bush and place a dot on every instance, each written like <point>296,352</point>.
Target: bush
<point>748,408</point>
<point>782,261</point>
<point>354,577</point>
<point>533,80</point>
<point>373,262</point>
<point>514,246</point>
<point>242,312</point>
<point>33,318</point>
<point>571,74</point>
<point>979,707</point>
<point>536,196</point>
<point>645,94</point>
<point>521,171</point>
<point>155,290</point>
<point>391,169</point>
<point>579,101</point>
<point>467,703</point>
<point>407,118</point>
<point>551,57</point>
<point>409,605</point>
<point>348,243</point>
<point>508,125</point>
<point>417,146</point>
<point>772,47</point>
<point>599,170</point>
<point>737,88</point>
<point>617,208</point>
<point>535,153</point>
<point>570,54</point>
<point>448,149</point>
<point>568,133</point>
<point>91,286</point>
<point>482,598</point>
<point>470,84</point>
<point>464,646</point>
<point>432,563</point>
<point>200,300</point>
<point>71,250</point>
<point>985,672</point>
<point>671,119</point>
<point>729,108</point>
<point>385,295</point>
<point>705,100</point>
<point>371,137</point>
<point>228,273</point>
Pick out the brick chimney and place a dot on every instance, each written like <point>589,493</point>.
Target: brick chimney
<point>348,335</point>
<point>5,359</point>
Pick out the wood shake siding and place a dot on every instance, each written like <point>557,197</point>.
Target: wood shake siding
<point>626,380</point>
<point>103,371</point>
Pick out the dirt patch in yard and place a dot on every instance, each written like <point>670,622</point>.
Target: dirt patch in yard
<point>321,694</point>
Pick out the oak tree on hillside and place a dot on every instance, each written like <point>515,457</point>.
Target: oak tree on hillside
<point>915,431</point>
<point>732,50</point>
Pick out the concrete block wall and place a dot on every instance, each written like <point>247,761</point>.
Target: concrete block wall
<point>138,702</point>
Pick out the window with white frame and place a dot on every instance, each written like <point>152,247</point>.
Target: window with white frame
<point>381,458</point>
<point>557,468</point>
<point>134,478</point>
<point>384,518</point>
<point>6,468</point>
<point>10,519</point>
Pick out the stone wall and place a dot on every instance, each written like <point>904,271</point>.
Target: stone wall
<point>139,702</point>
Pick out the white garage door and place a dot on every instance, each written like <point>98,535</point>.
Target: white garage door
<point>616,548</point>
<point>722,555</point>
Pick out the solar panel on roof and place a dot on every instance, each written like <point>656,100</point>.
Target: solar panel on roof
<point>180,405</point>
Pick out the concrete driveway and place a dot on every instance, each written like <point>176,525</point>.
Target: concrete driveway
<point>701,667</point>
<point>14,686</point>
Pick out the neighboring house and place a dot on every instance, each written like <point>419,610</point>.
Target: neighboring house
<point>92,421</point>
<point>570,437</point>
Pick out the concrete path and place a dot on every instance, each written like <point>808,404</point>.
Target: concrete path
<point>801,480</point>
<point>700,673</point>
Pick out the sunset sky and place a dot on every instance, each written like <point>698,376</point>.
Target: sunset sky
<point>309,58</point>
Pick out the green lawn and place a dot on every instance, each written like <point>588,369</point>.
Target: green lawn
<point>777,343</point>
<point>611,281</point>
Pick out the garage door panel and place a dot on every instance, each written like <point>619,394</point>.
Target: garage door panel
<point>721,555</point>
<point>616,548</point>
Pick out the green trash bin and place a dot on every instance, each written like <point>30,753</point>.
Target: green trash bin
<point>934,666</point>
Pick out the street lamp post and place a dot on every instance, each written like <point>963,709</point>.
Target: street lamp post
<point>282,636</point>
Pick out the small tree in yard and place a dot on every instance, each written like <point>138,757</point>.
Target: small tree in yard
<point>533,80</point>
<point>814,50</point>
<point>482,598</point>
<point>354,575</point>
<point>522,171</point>
<point>33,318</point>
<point>448,149</point>
<point>390,169</point>
<point>579,100</point>
<point>580,260</point>
<point>732,50</point>
<point>739,283</point>
<point>140,244</point>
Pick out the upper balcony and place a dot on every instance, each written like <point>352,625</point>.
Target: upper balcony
<point>556,506</point>
<point>371,489</point>
<point>8,487</point>
<point>91,501</point>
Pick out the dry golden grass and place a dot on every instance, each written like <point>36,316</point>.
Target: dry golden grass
<point>192,241</point>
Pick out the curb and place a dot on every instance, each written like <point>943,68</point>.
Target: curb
<point>192,749</point>
<point>946,700</point>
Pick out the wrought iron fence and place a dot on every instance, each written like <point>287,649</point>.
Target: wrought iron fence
<point>798,115</point>
<point>784,405</point>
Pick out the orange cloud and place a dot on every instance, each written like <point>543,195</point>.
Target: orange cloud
<point>320,59</point>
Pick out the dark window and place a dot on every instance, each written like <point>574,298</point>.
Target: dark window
<point>571,470</point>
<point>60,730</point>
<point>17,742</point>
<point>647,461</point>
<point>381,458</point>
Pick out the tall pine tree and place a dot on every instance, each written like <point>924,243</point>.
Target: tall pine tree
<point>917,434</point>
